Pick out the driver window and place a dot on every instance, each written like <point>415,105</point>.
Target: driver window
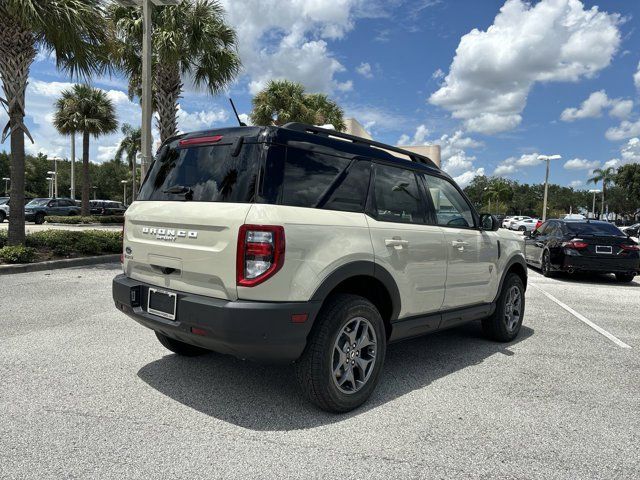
<point>451,208</point>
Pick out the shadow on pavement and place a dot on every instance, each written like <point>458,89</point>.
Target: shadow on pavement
<point>261,397</point>
<point>592,279</point>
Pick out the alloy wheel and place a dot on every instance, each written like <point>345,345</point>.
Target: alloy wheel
<point>354,355</point>
<point>513,307</point>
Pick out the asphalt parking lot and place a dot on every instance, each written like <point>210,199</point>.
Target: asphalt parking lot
<point>88,393</point>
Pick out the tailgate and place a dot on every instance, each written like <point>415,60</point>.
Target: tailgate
<point>184,246</point>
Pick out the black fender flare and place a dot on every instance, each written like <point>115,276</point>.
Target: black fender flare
<point>516,259</point>
<point>361,268</point>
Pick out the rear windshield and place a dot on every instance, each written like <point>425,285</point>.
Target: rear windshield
<point>203,174</point>
<point>593,229</point>
<point>38,202</point>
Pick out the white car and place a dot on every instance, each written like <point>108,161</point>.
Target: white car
<point>525,225</point>
<point>4,208</point>
<point>287,244</point>
<point>511,220</point>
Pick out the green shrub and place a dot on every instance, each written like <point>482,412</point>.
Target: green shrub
<point>17,254</point>
<point>3,238</point>
<point>66,242</point>
<point>77,220</point>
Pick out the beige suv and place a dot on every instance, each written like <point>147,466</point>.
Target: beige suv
<point>303,245</point>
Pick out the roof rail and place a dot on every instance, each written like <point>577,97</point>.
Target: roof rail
<point>303,127</point>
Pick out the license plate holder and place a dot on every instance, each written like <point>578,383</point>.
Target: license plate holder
<point>604,249</point>
<point>162,303</point>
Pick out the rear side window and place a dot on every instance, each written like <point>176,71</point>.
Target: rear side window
<point>308,176</point>
<point>351,193</point>
<point>397,198</point>
<point>203,174</point>
<point>606,229</point>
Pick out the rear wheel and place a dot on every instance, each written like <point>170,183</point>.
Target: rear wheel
<point>39,218</point>
<point>624,277</point>
<point>545,266</point>
<point>343,360</point>
<point>523,229</point>
<point>181,348</point>
<point>505,323</point>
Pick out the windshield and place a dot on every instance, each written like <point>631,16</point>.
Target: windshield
<point>587,229</point>
<point>203,174</point>
<point>38,202</point>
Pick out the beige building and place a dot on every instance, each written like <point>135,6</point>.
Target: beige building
<point>431,151</point>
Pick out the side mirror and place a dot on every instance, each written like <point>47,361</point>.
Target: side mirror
<point>489,222</point>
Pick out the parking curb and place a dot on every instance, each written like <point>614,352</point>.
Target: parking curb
<point>57,264</point>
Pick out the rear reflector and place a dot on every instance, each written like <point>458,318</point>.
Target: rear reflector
<point>198,331</point>
<point>299,317</point>
<point>199,141</point>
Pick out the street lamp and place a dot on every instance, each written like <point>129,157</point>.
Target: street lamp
<point>50,182</point>
<point>147,109</point>
<point>6,185</point>
<point>52,175</point>
<point>546,182</point>
<point>595,192</point>
<point>55,175</point>
<point>124,191</point>
<point>95,188</point>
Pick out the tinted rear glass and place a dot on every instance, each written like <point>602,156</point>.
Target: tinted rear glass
<point>351,194</point>
<point>206,174</point>
<point>593,229</point>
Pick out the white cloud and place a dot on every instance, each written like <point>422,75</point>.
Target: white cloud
<point>494,70</point>
<point>418,138</point>
<point>576,183</point>
<point>374,117</point>
<point>438,74</point>
<point>364,69</point>
<point>200,120</point>
<point>581,164</point>
<point>515,164</point>
<point>593,106</point>
<point>636,77</point>
<point>467,177</point>
<point>614,162</point>
<point>625,130</point>
<point>630,152</point>
<point>288,39</point>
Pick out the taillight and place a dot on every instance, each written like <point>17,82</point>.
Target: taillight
<point>122,244</point>
<point>260,253</point>
<point>575,244</point>
<point>631,248</point>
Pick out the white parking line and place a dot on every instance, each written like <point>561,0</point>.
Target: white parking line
<point>584,319</point>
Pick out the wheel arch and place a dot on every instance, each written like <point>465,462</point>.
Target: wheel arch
<point>517,265</point>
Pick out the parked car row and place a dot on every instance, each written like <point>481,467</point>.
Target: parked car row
<point>37,209</point>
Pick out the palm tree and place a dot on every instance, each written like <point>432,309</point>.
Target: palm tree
<point>130,145</point>
<point>604,175</point>
<point>75,30</point>
<point>93,113</point>
<point>282,101</point>
<point>66,122</point>
<point>189,40</point>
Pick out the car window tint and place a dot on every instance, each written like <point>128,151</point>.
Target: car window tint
<point>351,194</point>
<point>452,210</point>
<point>397,197</point>
<point>588,228</point>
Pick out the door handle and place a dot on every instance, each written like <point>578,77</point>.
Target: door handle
<point>396,242</point>
<point>459,244</point>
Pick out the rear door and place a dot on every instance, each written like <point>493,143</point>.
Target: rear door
<point>412,251</point>
<point>472,253</point>
<point>182,231</point>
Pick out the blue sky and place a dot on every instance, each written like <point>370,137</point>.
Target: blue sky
<point>495,83</point>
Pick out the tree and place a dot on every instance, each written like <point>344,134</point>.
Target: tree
<point>282,101</point>
<point>604,175</point>
<point>75,31</point>
<point>189,40</point>
<point>94,114</point>
<point>130,145</point>
<point>628,179</point>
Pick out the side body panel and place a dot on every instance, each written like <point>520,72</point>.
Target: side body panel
<point>318,242</point>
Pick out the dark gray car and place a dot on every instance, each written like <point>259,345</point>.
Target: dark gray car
<point>39,208</point>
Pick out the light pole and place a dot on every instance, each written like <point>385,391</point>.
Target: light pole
<point>147,109</point>
<point>95,189</point>
<point>593,210</point>
<point>124,191</point>
<point>546,182</point>
<point>55,176</point>
<point>52,175</point>
<point>50,182</point>
<point>6,186</point>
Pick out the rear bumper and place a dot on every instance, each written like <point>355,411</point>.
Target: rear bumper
<point>260,331</point>
<point>608,265</point>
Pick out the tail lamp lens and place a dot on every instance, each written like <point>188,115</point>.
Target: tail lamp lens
<point>575,244</point>
<point>631,248</point>
<point>260,253</point>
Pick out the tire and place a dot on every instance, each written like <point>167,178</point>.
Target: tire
<point>545,265</point>
<point>39,218</point>
<point>502,325</point>
<point>2,216</point>
<point>181,348</point>
<point>324,364</point>
<point>624,277</point>
<point>72,214</point>
<point>523,229</point>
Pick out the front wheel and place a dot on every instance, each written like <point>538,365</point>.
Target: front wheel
<point>181,348</point>
<point>506,321</point>
<point>624,277</point>
<point>523,229</point>
<point>342,362</point>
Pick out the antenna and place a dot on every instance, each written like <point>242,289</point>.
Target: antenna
<point>242,124</point>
